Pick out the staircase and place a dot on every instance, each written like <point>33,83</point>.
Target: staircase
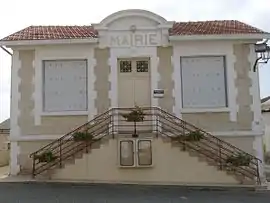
<point>158,122</point>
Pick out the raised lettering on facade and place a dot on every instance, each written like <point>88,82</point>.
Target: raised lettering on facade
<point>149,39</point>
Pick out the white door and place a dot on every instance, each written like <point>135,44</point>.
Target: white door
<point>134,85</point>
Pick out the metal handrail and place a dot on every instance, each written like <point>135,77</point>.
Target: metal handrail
<point>108,123</point>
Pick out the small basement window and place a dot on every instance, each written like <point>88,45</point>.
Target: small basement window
<point>135,153</point>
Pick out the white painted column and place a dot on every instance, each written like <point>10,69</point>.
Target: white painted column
<point>255,92</point>
<point>176,77</point>
<point>113,78</point>
<point>155,76</point>
<point>15,112</point>
<point>232,91</point>
<point>92,94</point>
<point>38,89</point>
<point>258,148</point>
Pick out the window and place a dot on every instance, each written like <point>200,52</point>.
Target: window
<point>125,66</point>
<point>142,66</point>
<point>65,85</point>
<point>135,153</point>
<point>203,82</point>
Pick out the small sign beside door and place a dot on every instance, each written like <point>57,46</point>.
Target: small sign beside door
<point>158,93</point>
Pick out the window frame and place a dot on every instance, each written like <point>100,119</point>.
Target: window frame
<point>135,153</point>
<point>206,109</point>
<point>63,112</point>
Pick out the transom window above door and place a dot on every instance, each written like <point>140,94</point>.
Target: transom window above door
<point>134,65</point>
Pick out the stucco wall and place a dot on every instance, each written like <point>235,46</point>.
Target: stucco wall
<point>220,121</point>
<point>102,84</point>
<point>50,125</point>
<point>171,166</point>
<point>215,121</point>
<point>4,151</point>
<point>26,148</point>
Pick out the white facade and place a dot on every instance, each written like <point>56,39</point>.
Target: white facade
<point>133,34</point>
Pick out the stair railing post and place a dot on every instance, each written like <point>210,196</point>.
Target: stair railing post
<point>34,165</point>
<point>184,134</point>
<point>86,141</point>
<point>112,122</point>
<point>157,124</point>
<point>258,172</point>
<point>60,153</point>
<point>219,155</point>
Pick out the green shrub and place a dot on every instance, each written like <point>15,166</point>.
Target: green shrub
<point>240,159</point>
<point>82,136</point>
<point>136,115</point>
<point>46,157</point>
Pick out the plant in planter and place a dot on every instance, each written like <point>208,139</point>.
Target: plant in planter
<point>136,115</point>
<point>193,136</point>
<point>240,159</point>
<point>82,136</point>
<point>47,156</point>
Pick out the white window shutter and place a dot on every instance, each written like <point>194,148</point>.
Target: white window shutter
<point>65,85</point>
<point>203,82</point>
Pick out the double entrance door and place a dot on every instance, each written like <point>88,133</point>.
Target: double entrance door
<point>134,84</point>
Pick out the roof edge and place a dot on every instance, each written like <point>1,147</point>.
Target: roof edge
<point>48,42</point>
<point>251,36</point>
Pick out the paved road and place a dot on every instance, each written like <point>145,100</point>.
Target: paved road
<point>100,193</point>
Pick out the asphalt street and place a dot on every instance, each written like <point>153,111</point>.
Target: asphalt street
<point>109,193</point>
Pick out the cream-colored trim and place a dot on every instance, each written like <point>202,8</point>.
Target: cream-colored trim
<point>113,79</point>
<point>257,124</point>
<point>143,52</point>
<point>37,94</point>
<point>47,42</point>
<point>15,131</point>
<point>258,148</point>
<point>205,110</point>
<point>15,95</point>
<point>92,93</point>
<point>65,113</point>
<point>255,37</point>
<point>205,49</point>
<point>14,152</point>
<point>116,53</point>
<point>176,77</point>
<point>232,91</point>
<point>63,53</point>
<point>163,23</point>
<point>155,76</point>
<point>53,137</point>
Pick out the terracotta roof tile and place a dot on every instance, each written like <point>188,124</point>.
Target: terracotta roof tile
<point>52,32</point>
<point>217,27</point>
<point>179,28</point>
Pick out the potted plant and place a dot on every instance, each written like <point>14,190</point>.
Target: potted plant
<point>193,136</point>
<point>239,159</point>
<point>136,115</point>
<point>46,156</point>
<point>82,136</point>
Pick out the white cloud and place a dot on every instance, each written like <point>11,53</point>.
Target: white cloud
<point>18,14</point>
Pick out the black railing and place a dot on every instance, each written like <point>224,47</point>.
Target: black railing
<point>156,122</point>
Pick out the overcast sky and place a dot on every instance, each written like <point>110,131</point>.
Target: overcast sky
<point>18,14</point>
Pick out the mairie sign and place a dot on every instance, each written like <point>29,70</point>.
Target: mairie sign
<point>128,40</point>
